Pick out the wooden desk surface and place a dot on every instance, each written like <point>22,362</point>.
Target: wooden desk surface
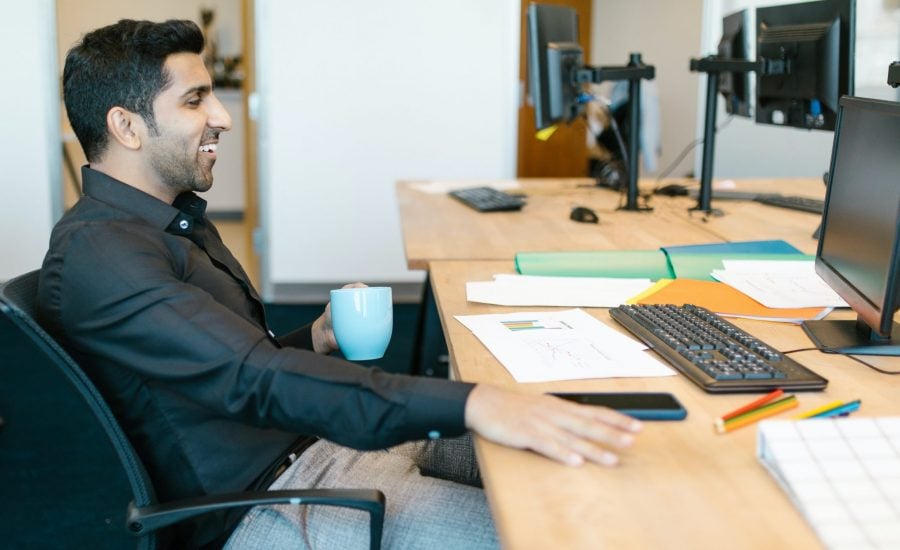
<point>682,485</point>
<point>437,227</point>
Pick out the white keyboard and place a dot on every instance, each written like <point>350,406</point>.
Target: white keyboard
<point>843,475</point>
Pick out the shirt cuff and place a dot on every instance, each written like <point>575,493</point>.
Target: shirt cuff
<point>437,407</point>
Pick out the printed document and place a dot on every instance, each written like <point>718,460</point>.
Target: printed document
<point>779,284</point>
<point>561,345</point>
<point>531,290</point>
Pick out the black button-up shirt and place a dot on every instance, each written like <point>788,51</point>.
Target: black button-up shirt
<point>161,316</point>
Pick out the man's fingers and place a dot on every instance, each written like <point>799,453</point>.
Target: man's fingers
<point>566,432</point>
<point>605,415</point>
<point>603,426</point>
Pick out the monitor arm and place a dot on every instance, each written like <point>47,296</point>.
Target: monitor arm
<point>894,74</point>
<point>713,66</point>
<point>633,73</point>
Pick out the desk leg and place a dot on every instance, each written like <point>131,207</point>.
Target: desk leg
<point>430,357</point>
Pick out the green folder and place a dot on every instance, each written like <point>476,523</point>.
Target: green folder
<point>685,262</point>
<point>650,264</point>
<point>699,266</point>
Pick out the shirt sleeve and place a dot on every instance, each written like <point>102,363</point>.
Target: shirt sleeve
<point>298,338</point>
<point>137,312</point>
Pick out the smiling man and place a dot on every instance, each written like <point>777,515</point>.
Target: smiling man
<point>138,286</point>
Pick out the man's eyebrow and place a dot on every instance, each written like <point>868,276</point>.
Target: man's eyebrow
<point>202,89</point>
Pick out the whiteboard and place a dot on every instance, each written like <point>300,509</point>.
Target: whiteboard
<point>356,95</point>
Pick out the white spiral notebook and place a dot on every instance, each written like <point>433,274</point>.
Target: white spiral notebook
<point>843,474</point>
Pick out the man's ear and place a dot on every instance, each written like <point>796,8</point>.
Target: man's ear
<point>125,127</point>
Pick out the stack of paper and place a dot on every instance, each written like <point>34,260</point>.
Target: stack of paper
<point>527,290</point>
<point>561,345</point>
<point>779,284</point>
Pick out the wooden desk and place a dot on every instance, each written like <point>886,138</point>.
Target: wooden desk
<point>682,485</point>
<point>437,227</point>
<point>748,220</point>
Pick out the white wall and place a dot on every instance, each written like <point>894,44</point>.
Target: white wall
<point>667,34</point>
<point>746,149</point>
<point>355,95</point>
<point>29,139</point>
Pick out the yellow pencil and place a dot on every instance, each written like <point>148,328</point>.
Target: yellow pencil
<point>817,410</point>
<point>763,412</point>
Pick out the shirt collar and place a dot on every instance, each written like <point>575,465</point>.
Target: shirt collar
<point>179,218</point>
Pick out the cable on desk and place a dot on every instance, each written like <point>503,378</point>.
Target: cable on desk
<point>690,147</point>
<point>855,358</point>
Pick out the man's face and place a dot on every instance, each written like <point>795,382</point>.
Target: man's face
<point>189,119</point>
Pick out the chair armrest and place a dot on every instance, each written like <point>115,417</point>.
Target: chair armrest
<point>144,519</point>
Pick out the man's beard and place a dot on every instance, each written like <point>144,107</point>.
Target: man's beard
<point>178,171</point>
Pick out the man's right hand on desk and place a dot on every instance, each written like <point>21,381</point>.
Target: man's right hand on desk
<point>561,430</point>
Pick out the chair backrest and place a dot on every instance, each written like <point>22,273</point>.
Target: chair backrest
<point>67,472</point>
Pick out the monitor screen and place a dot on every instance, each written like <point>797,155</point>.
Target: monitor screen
<point>859,246</point>
<point>553,57</point>
<point>808,49</point>
<point>735,45</point>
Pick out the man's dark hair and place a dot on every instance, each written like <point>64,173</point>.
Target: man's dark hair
<point>121,65</point>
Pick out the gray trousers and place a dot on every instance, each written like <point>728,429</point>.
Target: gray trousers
<point>431,488</point>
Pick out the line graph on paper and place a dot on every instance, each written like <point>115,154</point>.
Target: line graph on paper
<point>562,347</point>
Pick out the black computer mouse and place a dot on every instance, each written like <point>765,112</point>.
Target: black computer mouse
<point>584,215</point>
<point>672,190</point>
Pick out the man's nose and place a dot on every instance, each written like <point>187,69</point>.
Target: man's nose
<point>218,115</point>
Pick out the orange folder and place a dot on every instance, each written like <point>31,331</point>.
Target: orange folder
<point>721,298</point>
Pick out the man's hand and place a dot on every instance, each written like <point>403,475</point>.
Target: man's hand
<point>559,429</point>
<point>323,338</point>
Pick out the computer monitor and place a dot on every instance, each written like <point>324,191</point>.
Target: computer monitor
<point>807,50</point>
<point>554,56</point>
<point>859,246</point>
<point>735,45</point>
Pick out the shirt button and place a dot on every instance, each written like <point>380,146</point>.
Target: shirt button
<point>184,224</point>
<point>434,434</point>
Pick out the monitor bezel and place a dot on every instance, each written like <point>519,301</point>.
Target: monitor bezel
<point>739,20</point>
<point>539,17</point>
<point>878,317</point>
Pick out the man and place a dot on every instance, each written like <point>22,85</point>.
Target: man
<point>139,287</point>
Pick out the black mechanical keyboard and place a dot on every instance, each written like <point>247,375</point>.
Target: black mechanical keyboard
<point>713,353</point>
<point>488,199</point>
<point>805,204</point>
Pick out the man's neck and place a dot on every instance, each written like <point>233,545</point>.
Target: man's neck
<point>133,174</point>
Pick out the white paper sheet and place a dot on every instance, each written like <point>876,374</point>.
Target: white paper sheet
<point>528,290</point>
<point>779,284</point>
<point>443,187</point>
<point>561,345</point>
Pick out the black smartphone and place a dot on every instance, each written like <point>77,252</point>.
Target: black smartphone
<point>641,405</point>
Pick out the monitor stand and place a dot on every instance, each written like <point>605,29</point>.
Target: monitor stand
<point>846,337</point>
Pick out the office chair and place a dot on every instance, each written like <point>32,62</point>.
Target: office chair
<point>68,475</point>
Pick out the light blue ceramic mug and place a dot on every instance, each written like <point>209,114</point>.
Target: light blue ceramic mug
<point>362,319</point>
